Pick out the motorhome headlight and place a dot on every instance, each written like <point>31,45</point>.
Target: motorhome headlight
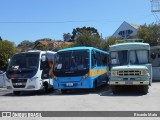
<point>85,76</point>
<point>114,73</point>
<point>144,72</point>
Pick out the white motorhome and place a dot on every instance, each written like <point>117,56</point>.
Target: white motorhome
<point>30,71</point>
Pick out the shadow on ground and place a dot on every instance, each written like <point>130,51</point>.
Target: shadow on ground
<point>104,90</point>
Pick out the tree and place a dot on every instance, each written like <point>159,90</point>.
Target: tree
<point>80,31</point>
<point>41,47</point>
<point>87,38</point>
<point>26,43</point>
<point>7,49</point>
<point>67,37</point>
<point>150,33</point>
<point>109,41</point>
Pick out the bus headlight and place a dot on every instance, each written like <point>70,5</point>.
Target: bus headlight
<point>113,73</point>
<point>84,77</point>
<point>32,79</point>
<point>145,73</point>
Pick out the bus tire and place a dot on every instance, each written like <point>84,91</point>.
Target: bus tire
<point>63,91</point>
<point>95,85</point>
<point>16,92</point>
<point>46,87</point>
<point>145,89</point>
<point>114,89</point>
<point>107,80</point>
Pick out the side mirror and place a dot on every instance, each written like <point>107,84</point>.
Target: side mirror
<point>43,58</point>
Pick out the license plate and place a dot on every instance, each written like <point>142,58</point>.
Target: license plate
<point>129,82</point>
<point>19,84</point>
<point>69,84</point>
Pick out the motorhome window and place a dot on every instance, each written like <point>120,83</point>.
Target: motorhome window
<point>139,57</point>
<point>119,57</point>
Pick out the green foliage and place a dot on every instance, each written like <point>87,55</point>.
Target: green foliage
<point>26,43</point>
<point>150,33</point>
<point>80,31</point>
<point>110,41</point>
<point>66,36</point>
<point>41,47</point>
<point>87,39</point>
<point>7,49</point>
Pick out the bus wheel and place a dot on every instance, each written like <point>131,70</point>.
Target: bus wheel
<point>114,89</point>
<point>63,91</point>
<point>16,92</point>
<point>95,87</point>
<point>45,87</point>
<point>145,89</point>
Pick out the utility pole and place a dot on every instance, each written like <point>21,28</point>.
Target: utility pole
<point>155,9</point>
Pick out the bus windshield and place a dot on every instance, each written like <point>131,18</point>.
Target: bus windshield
<point>133,57</point>
<point>72,63</point>
<point>24,62</point>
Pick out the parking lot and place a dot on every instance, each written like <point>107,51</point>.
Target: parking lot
<point>101,99</point>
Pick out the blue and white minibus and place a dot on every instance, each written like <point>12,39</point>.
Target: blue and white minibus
<point>80,68</point>
<point>30,71</point>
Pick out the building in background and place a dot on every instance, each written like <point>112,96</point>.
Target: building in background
<point>126,31</point>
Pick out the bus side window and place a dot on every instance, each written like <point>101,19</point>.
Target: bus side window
<point>94,62</point>
<point>98,57</point>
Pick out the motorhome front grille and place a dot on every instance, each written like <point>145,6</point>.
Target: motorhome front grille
<point>122,73</point>
<point>19,83</point>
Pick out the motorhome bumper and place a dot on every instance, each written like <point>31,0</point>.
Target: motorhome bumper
<point>129,82</point>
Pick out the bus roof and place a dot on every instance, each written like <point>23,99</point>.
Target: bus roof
<point>40,51</point>
<point>82,48</point>
<point>130,46</point>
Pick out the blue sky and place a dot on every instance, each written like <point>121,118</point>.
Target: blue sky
<point>35,19</point>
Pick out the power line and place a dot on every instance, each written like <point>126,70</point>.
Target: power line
<point>50,22</point>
